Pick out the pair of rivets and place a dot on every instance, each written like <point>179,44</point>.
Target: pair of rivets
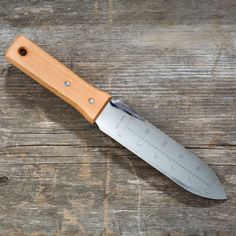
<point>90,100</point>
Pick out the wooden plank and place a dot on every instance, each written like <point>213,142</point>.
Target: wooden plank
<point>173,62</point>
<point>63,197</point>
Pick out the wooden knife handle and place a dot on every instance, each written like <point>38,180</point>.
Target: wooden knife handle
<point>57,78</point>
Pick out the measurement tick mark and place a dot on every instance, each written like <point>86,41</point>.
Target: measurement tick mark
<point>168,156</point>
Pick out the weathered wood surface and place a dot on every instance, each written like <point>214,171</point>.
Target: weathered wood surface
<point>173,61</point>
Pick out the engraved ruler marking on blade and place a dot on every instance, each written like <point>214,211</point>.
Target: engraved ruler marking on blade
<point>141,139</point>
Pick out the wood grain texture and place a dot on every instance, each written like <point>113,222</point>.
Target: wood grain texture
<point>173,62</point>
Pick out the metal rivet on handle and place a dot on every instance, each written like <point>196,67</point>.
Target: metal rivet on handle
<point>91,101</point>
<point>67,83</point>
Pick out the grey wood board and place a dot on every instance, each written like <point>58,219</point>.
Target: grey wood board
<point>173,62</point>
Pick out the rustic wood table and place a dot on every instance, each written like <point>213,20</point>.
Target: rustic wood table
<point>173,62</point>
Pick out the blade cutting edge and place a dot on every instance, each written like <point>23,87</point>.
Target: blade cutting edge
<point>161,152</point>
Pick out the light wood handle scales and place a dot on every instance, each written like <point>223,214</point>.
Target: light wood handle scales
<point>57,78</point>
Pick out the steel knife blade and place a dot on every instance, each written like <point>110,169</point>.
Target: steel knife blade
<point>117,120</point>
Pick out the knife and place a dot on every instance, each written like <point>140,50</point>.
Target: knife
<point>117,120</point>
